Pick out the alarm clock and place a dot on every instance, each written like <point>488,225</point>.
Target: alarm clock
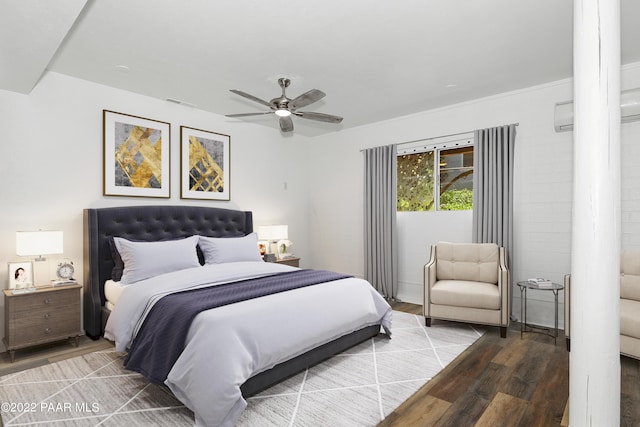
<point>65,269</point>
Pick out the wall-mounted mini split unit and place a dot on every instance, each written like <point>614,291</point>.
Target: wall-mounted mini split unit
<point>629,110</point>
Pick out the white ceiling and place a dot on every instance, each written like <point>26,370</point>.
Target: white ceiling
<point>375,59</point>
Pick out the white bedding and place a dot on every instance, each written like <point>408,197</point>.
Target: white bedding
<point>227,345</point>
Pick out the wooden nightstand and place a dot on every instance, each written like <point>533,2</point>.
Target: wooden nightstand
<point>294,262</point>
<point>46,315</point>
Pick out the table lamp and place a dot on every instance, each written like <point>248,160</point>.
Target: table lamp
<point>39,243</point>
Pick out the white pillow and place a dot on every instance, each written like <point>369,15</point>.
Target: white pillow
<point>217,250</point>
<point>143,260</point>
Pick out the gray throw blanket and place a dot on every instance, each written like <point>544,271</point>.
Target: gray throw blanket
<point>161,338</point>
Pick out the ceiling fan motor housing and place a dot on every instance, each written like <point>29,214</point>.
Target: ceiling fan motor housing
<point>280,103</point>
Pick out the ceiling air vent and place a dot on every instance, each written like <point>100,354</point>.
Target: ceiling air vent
<point>177,101</point>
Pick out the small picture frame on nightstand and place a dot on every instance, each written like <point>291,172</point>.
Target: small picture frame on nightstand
<point>20,276</point>
<point>263,247</point>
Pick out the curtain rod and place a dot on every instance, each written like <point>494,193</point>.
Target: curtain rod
<point>428,139</point>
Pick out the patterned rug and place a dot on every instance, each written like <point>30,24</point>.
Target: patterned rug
<point>359,387</point>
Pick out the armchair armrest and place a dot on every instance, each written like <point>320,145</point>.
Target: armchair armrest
<point>429,279</point>
<point>504,287</point>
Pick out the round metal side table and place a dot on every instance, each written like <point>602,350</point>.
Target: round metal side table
<point>524,326</point>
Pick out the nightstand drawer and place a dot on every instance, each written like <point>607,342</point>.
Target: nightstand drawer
<point>62,317</point>
<point>46,330</point>
<point>42,301</point>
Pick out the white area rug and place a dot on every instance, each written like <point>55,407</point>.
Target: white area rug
<point>357,388</point>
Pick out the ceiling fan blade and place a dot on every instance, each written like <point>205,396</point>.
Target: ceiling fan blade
<point>251,97</point>
<point>248,114</point>
<point>328,118</point>
<point>286,124</point>
<point>307,98</point>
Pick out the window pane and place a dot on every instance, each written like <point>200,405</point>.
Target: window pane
<point>456,179</point>
<point>415,182</point>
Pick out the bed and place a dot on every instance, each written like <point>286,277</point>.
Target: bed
<point>168,223</point>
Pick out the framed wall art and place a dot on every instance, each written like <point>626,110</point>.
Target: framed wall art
<point>136,156</point>
<point>20,275</point>
<point>204,164</point>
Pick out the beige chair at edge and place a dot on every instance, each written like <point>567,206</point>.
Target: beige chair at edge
<point>467,282</point>
<point>629,304</point>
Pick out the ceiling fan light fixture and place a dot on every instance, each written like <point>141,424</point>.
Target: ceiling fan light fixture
<point>283,113</point>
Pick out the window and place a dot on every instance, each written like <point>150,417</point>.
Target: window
<point>427,185</point>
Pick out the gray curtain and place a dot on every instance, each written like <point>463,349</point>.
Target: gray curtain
<point>493,188</point>
<point>380,233</point>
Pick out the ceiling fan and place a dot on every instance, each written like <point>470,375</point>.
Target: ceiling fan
<point>285,107</point>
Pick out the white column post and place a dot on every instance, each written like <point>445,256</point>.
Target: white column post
<point>594,368</point>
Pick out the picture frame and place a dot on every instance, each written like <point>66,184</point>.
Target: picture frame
<point>263,247</point>
<point>136,153</point>
<point>204,164</point>
<point>20,274</point>
<point>279,249</point>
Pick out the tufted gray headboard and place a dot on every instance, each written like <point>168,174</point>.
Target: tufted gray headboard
<point>143,223</point>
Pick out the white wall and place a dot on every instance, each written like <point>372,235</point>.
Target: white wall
<point>51,169</point>
<point>543,186</point>
<point>51,164</point>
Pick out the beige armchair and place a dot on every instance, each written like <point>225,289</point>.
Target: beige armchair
<point>629,304</point>
<point>467,282</point>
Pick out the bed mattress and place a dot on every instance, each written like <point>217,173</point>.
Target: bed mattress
<point>112,292</point>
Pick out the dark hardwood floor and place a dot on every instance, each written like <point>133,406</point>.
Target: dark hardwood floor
<point>506,382</point>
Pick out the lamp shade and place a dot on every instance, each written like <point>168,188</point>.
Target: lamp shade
<point>38,243</point>
<point>273,232</point>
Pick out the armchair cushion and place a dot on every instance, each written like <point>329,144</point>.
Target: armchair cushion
<point>477,262</point>
<point>463,293</point>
